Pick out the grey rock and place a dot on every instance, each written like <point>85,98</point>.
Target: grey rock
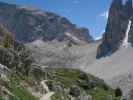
<point>29,24</point>
<point>85,96</point>
<point>58,54</point>
<point>75,91</point>
<point>130,95</point>
<point>119,15</point>
<point>58,88</point>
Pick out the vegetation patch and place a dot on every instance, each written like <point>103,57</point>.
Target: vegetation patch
<point>87,84</point>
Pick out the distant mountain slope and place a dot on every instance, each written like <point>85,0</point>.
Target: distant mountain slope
<point>116,69</point>
<point>30,24</point>
<point>62,54</point>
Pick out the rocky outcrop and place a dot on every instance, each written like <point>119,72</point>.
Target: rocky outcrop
<point>130,38</point>
<point>79,87</point>
<point>119,16</point>
<point>13,54</point>
<point>130,95</point>
<point>60,54</point>
<point>29,24</point>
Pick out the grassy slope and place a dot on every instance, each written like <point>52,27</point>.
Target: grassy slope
<point>18,91</point>
<point>1,98</point>
<point>69,77</point>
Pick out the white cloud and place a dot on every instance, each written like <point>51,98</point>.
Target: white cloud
<point>98,38</point>
<point>105,14</point>
<point>101,36</point>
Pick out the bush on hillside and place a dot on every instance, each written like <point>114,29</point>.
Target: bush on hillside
<point>118,92</point>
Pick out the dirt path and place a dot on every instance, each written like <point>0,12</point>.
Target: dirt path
<point>43,83</point>
<point>48,95</point>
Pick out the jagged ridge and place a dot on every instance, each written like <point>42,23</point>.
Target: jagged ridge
<point>119,16</point>
<point>30,24</point>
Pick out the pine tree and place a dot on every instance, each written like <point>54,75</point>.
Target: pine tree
<point>6,37</point>
<point>7,41</point>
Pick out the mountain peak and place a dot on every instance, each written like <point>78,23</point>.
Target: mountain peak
<point>117,2</point>
<point>128,7</point>
<point>30,24</point>
<point>129,2</point>
<point>117,24</point>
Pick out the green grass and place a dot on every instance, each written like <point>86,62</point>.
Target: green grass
<point>69,77</point>
<point>66,78</point>
<point>58,96</point>
<point>1,98</point>
<point>18,90</point>
<point>100,94</point>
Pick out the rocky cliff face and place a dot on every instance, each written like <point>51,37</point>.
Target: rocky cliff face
<point>29,24</point>
<point>115,32</point>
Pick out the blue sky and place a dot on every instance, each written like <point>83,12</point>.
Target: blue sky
<point>91,14</point>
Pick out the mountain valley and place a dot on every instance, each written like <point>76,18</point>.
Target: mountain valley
<point>43,56</point>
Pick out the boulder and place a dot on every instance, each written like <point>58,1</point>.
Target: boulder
<point>75,91</point>
<point>130,95</point>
